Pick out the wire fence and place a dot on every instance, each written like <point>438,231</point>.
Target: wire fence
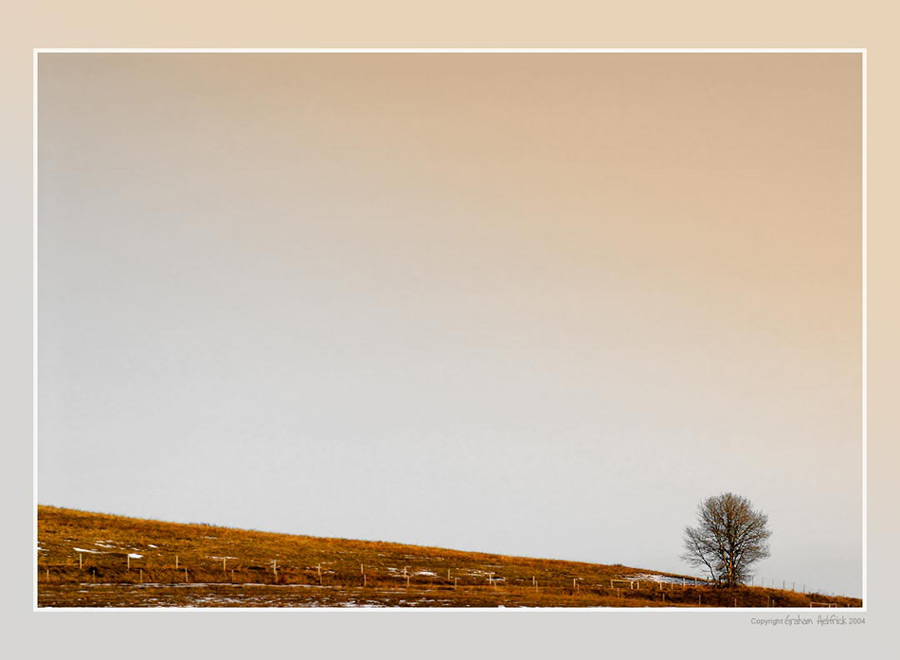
<point>131,568</point>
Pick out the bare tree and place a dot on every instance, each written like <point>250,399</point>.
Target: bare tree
<point>730,537</point>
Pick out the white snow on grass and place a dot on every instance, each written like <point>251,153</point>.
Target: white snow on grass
<point>134,555</point>
<point>93,552</point>
<point>106,544</point>
<point>150,545</point>
<point>426,573</point>
<point>665,579</point>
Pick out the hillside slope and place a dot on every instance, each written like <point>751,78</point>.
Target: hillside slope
<point>97,560</point>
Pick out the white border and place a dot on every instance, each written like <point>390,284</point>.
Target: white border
<point>34,313</point>
<point>758,610</point>
<point>865,328</point>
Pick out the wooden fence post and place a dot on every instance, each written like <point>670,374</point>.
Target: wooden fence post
<point>80,564</point>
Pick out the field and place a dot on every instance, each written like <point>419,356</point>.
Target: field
<point>98,560</point>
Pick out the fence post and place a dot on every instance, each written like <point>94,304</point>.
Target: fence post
<point>80,565</point>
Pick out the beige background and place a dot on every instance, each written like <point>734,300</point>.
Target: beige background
<point>711,24</point>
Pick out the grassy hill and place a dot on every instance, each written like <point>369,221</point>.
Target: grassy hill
<point>97,560</point>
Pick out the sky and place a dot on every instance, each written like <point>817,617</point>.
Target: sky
<point>530,304</point>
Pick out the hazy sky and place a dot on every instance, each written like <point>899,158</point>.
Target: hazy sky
<point>532,304</point>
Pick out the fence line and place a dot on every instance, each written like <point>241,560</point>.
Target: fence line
<point>378,576</point>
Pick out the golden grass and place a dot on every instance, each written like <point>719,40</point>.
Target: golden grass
<point>206,565</point>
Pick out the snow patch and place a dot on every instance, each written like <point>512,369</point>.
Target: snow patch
<point>665,579</point>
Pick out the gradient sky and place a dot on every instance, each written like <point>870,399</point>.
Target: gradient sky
<point>532,304</point>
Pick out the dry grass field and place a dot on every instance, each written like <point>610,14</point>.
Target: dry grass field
<point>98,560</point>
